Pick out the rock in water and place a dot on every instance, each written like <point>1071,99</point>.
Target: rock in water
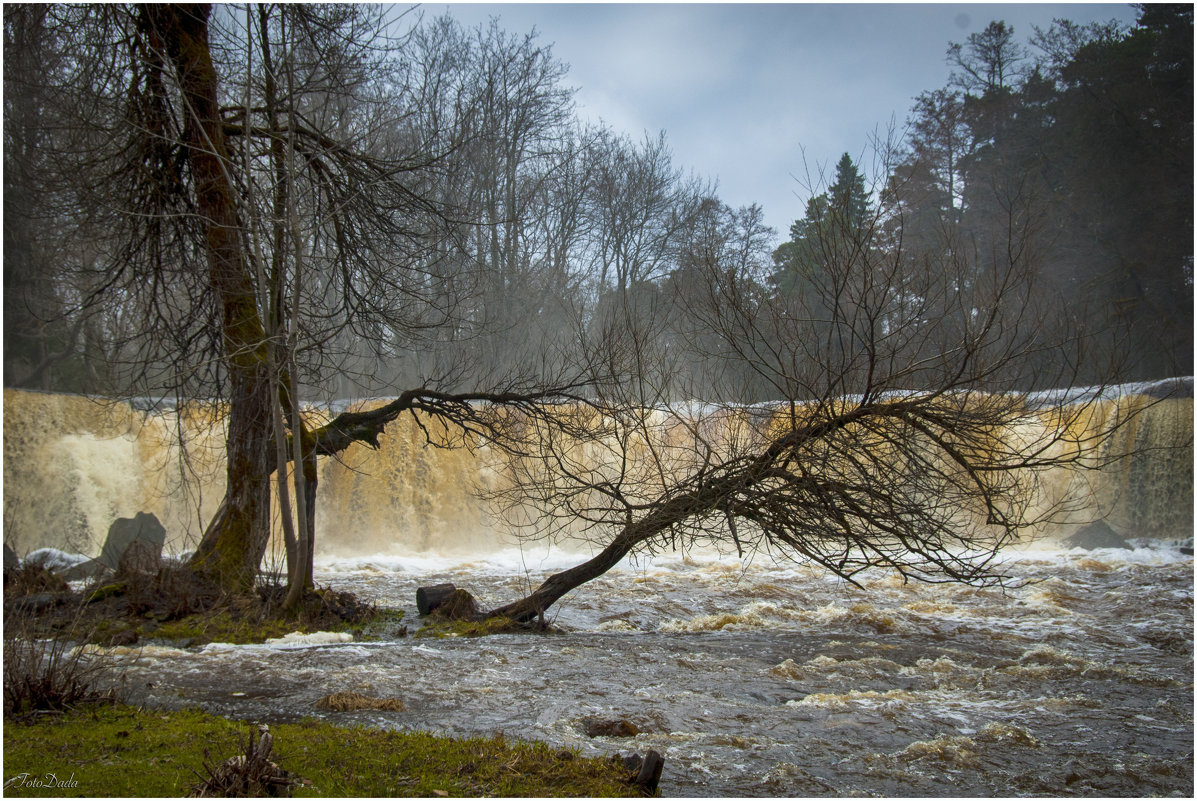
<point>611,728</point>
<point>124,531</point>
<point>1097,535</point>
<point>429,598</point>
<point>460,605</point>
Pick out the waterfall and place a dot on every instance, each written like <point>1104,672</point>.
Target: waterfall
<point>72,464</point>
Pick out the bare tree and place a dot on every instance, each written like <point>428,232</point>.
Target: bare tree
<point>281,188</point>
<point>642,205</point>
<point>906,434</point>
<point>988,61</point>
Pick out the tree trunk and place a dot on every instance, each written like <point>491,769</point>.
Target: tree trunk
<point>558,584</point>
<point>300,575</point>
<point>702,498</point>
<point>235,541</point>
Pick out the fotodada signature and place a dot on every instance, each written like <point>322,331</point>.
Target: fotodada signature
<point>45,781</point>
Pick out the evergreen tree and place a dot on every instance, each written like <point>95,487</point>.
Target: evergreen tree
<point>835,222</point>
<point>1119,158</point>
<point>1094,144</point>
<point>848,197</point>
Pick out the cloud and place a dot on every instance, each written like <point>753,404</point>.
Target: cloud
<point>744,90</point>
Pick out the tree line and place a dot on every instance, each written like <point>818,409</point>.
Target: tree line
<point>542,221</point>
<point>264,204</point>
<point>512,220</point>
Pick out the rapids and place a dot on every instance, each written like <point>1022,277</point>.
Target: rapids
<point>752,678</point>
<point>763,679</point>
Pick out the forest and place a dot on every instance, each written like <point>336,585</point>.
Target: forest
<point>521,224</point>
<point>274,206</point>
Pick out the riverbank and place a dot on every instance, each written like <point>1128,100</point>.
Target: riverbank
<point>64,734</point>
<point>122,751</point>
<point>169,604</point>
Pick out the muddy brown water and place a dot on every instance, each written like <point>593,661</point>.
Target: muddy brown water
<point>757,679</point>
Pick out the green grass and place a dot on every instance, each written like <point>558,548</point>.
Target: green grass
<point>440,629</point>
<point>224,626</point>
<point>221,627</point>
<point>122,751</point>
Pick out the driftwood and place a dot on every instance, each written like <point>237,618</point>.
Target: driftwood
<point>650,772</point>
<point>429,598</point>
<point>643,772</point>
<point>248,775</point>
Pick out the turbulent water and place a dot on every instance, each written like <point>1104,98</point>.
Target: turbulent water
<point>763,679</point>
<point>751,678</point>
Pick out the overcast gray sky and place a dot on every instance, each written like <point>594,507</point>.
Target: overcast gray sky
<point>745,90</point>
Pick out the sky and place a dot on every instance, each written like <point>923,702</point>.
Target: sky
<point>761,97</point>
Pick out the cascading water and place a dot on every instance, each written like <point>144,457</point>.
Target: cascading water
<point>73,464</point>
<point>752,678</point>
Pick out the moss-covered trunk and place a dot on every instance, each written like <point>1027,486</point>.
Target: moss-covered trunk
<point>558,584</point>
<point>236,539</point>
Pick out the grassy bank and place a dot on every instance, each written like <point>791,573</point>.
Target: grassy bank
<point>173,605</point>
<point>122,751</point>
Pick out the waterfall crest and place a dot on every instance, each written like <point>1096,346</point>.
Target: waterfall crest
<point>72,464</point>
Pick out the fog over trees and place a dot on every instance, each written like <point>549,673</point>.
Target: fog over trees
<point>269,204</point>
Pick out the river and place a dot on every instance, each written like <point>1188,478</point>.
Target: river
<point>763,679</point>
<point>752,678</point>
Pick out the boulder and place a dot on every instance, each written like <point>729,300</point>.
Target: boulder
<point>611,728</point>
<point>38,603</point>
<point>140,558</point>
<point>1097,535</point>
<point>11,562</point>
<point>429,598</point>
<point>89,569</point>
<point>460,605</point>
<point>54,560</point>
<point>124,531</point>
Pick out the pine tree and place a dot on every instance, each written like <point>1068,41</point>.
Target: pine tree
<point>833,220</point>
<point>848,197</point>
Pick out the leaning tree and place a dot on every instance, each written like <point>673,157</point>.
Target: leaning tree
<point>909,430</point>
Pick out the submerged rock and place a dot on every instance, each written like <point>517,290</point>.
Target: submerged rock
<point>1097,535</point>
<point>611,728</point>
